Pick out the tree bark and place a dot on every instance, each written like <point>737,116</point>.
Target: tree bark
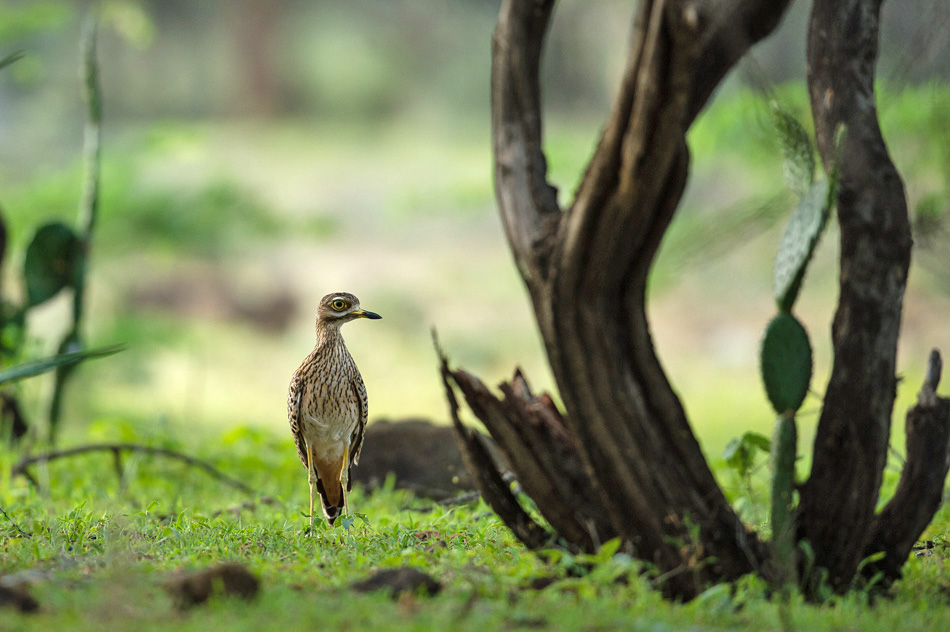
<point>851,442</point>
<point>586,269</point>
<point>542,453</point>
<point>920,489</point>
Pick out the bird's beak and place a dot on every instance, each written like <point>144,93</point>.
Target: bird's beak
<point>362,313</point>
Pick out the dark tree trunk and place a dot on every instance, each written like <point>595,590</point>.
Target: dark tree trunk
<point>636,468</point>
<point>853,431</point>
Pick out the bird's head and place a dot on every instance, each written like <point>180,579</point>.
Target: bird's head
<point>341,307</point>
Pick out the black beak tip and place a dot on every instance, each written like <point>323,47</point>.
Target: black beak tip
<point>372,315</point>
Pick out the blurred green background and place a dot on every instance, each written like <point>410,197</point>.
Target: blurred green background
<point>260,154</point>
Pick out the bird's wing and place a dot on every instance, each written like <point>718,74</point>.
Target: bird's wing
<point>294,396</point>
<point>359,389</point>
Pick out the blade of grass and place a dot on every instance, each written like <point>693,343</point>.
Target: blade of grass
<point>38,367</point>
<point>12,57</point>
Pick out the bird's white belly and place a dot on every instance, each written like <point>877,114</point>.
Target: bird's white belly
<point>330,434</point>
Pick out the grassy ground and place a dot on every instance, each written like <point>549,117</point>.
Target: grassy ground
<point>102,548</point>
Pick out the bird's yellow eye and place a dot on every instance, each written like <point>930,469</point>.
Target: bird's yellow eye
<point>339,305</point>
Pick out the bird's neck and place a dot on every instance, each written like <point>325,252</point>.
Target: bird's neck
<point>328,334</point>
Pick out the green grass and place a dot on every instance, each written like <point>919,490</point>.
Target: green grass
<point>102,548</point>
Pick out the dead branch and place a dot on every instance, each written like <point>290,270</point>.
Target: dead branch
<point>920,488</point>
<point>15,525</point>
<point>488,479</point>
<point>21,468</point>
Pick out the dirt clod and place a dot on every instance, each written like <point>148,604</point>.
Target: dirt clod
<point>19,599</point>
<point>540,583</point>
<point>423,457</point>
<point>399,581</point>
<point>189,589</point>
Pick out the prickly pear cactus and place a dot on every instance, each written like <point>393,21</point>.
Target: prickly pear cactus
<point>799,165</point>
<point>786,351</point>
<point>798,242</point>
<point>784,450</point>
<point>786,363</point>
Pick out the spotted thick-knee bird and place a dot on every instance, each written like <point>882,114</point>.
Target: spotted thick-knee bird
<point>326,406</point>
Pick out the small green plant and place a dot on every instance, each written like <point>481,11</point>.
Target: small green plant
<point>740,454</point>
<point>53,263</point>
<point>786,355</point>
<point>56,260</point>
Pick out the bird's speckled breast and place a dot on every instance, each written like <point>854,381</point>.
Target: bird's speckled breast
<point>330,410</point>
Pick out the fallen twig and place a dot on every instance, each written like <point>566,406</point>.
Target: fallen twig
<point>13,522</point>
<point>20,469</point>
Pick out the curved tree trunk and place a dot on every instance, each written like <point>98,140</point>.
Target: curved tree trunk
<point>853,431</point>
<point>631,464</point>
<point>586,268</point>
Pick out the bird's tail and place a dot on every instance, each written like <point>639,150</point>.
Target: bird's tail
<point>332,494</point>
<point>331,497</point>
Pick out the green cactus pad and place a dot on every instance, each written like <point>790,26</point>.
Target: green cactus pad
<point>52,262</point>
<point>798,243</point>
<point>786,363</point>
<point>784,451</point>
<point>799,165</point>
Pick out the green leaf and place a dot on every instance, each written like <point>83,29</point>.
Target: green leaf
<point>608,549</point>
<point>737,456</point>
<point>799,165</point>
<point>52,262</point>
<point>798,242</point>
<point>38,367</point>
<point>71,343</point>
<point>786,363</point>
<point>12,57</point>
<point>759,441</point>
<point>740,452</point>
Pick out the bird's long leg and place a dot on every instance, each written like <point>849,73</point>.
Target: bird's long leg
<point>313,480</point>
<point>345,478</point>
